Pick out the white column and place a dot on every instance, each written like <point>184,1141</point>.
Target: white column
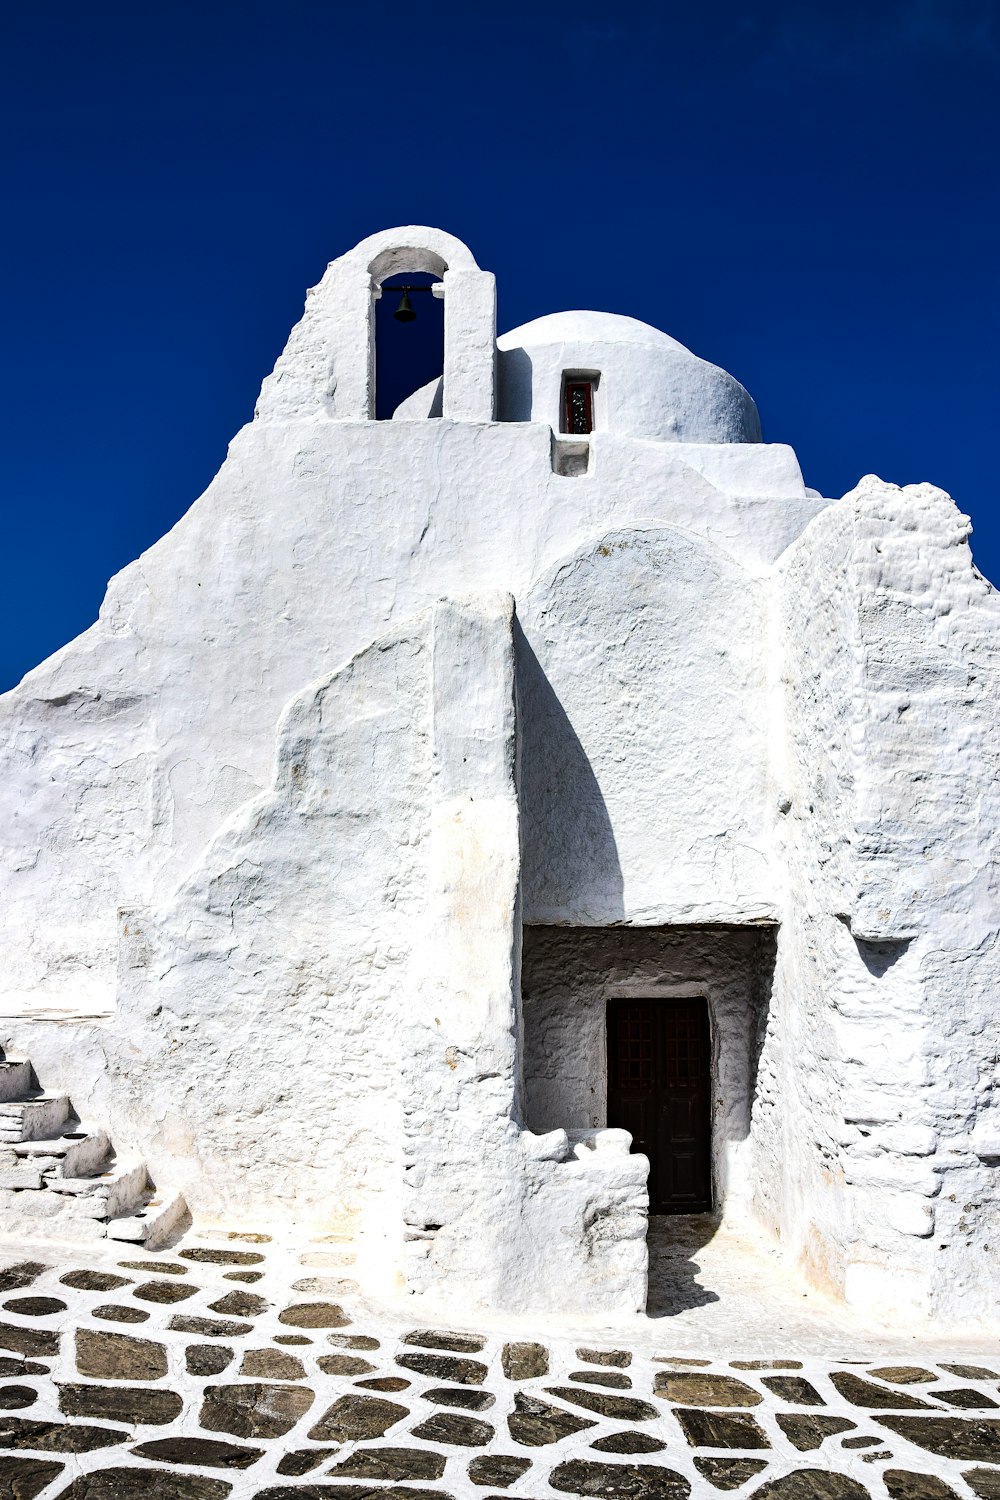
<point>470,321</point>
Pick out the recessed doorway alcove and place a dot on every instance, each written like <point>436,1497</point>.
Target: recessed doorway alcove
<point>682,1015</point>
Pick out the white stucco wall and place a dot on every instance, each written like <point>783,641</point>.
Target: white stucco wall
<point>646,650</point>
<point>123,754</point>
<point>322,1024</point>
<point>738,703</point>
<point>495,1215</point>
<point>887,969</point>
<point>255,1053</point>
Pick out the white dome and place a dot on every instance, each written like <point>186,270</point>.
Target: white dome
<point>582,327</point>
<point>646,383</point>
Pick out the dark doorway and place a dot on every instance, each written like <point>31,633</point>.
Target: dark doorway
<point>659,1089</point>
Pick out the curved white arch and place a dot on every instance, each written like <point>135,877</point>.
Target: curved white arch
<point>411,247</point>
<point>328,366</point>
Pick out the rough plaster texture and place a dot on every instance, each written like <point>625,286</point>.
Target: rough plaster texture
<point>884,1002</point>
<point>127,750</point>
<point>492,1213</point>
<point>686,836</point>
<point>736,703</point>
<point>321,1023</point>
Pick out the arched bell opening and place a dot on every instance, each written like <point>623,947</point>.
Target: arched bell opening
<point>409,337</point>
<point>329,367</point>
<point>373,273</point>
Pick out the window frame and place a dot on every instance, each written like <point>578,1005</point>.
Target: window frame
<point>571,383</point>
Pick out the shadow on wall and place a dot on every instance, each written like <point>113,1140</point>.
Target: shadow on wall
<point>564,820</point>
<point>762,987</point>
<point>514,384</point>
<point>879,957</point>
<point>674,1240</point>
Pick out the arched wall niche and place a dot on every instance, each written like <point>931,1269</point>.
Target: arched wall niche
<point>351,287</point>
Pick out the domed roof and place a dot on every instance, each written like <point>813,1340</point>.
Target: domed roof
<point>645,383</point>
<point>588,327</point>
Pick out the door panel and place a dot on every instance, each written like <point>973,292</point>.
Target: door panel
<point>659,1089</point>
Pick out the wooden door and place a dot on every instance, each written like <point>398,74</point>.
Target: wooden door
<point>659,1089</point>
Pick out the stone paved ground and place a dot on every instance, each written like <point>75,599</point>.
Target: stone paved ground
<point>231,1366</point>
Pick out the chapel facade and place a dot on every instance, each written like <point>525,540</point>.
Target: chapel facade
<point>472,832</point>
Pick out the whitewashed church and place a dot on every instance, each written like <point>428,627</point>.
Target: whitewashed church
<point>475,831</point>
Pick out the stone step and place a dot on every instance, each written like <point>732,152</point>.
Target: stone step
<point>128,1190</point>
<point>88,1151</point>
<point>20,1221</point>
<point>59,1206</point>
<point>33,1119</point>
<point>77,1153</point>
<point>18,1176</point>
<point>16,1079</point>
<point>61,1178</point>
<point>119,1191</point>
<point>153,1224</point>
<point>77,1187</point>
<point>50,1210</point>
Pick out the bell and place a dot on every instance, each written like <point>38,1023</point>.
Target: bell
<point>404,312</point>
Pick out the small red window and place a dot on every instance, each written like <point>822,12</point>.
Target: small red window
<point>578,406</point>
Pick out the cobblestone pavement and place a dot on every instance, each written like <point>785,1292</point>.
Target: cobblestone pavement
<point>232,1367</point>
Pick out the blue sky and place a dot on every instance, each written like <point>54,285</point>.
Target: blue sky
<point>806,194</point>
